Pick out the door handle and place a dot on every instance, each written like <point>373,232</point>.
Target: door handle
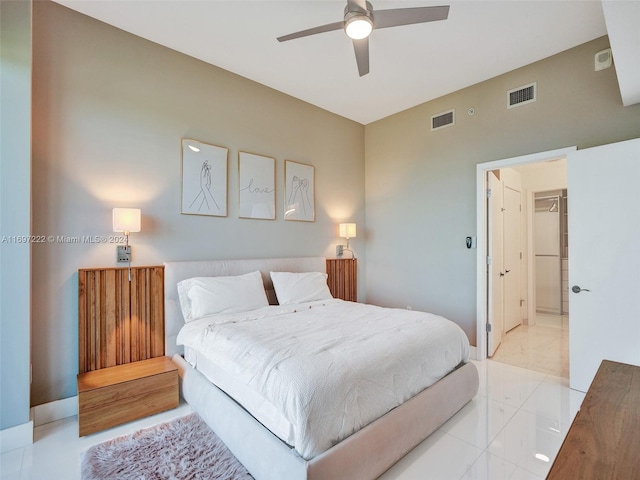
<point>507,271</point>
<point>577,289</point>
<point>501,274</point>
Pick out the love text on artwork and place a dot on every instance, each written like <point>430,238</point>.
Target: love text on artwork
<point>251,188</point>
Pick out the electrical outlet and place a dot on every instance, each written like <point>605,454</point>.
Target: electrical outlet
<point>124,253</point>
<point>339,250</point>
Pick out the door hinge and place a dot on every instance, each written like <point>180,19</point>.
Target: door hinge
<point>488,193</point>
<point>488,327</point>
<point>521,302</point>
<point>488,260</point>
<point>520,255</point>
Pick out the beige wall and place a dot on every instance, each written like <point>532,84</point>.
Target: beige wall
<point>421,185</point>
<point>109,112</point>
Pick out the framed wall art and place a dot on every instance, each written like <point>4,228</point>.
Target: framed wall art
<point>204,178</point>
<point>257,186</point>
<point>299,192</point>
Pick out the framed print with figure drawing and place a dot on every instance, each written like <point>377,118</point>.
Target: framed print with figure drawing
<point>299,192</point>
<point>204,179</point>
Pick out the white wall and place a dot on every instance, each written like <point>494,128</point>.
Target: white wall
<point>110,110</point>
<point>420,185</point>
<point>15,213</point>
<point>543,176</point>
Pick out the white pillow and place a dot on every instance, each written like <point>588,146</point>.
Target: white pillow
<point>292,288</point>
<point>200,296</point>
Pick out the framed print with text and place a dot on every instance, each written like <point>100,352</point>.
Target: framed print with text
<point>257,186</point>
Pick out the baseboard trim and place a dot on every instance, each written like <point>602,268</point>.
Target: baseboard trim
<point>53,411</point>
<point>16,437</point>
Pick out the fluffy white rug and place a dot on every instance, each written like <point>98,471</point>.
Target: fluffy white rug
<point>182,449</point>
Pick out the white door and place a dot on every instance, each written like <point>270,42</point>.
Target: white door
<point>495,267</point>
<point>512,260</point>
<point>604,252</point>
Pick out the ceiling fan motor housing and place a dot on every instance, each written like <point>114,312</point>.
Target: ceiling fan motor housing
<point>352,10</point>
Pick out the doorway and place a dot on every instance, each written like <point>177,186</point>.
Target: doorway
<point>528,246</point>
<point>484,274</point>
<point>605,261</point>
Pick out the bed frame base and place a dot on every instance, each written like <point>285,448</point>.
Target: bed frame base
<point>364,455</point>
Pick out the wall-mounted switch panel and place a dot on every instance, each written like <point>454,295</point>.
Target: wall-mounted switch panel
<point>124,253</point>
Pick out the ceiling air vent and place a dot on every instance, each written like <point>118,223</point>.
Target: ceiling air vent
<point>442,120</point>
<point>521,95</point>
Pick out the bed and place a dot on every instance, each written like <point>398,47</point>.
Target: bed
<point>301,447</point>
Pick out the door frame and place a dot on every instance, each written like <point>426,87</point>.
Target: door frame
<point>481,233</point>
<point>495,273</point>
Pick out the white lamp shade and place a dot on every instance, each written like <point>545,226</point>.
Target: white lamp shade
<point>126,219</point>
<point>347,230</point>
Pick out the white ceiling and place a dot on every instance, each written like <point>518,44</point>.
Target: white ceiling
<point>409,65</point>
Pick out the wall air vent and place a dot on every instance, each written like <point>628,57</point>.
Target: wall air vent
<point>521,95</point>
<point>442,120</point>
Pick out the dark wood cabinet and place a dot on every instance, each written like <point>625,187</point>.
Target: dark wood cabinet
<point>603,440</point>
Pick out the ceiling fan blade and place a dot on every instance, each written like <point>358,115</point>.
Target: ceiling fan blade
<point>313,31</point>
<point>407,16</point>
<point>361,47</point>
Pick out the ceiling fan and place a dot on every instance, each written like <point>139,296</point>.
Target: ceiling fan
<point>360,20</point>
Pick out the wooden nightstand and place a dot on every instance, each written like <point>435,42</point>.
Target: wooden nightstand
<point>342,278</point>
<point>115,395</point>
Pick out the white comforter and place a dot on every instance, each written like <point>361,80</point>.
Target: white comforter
<point>331,367</point>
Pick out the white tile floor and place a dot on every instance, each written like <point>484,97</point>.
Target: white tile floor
<point>543,347</point>
<point>511,430</point>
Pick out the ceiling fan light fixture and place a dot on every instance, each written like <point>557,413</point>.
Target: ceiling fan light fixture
<point>358,23</point>
<point>358,27</point>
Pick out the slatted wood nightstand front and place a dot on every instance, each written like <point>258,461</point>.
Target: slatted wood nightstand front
<point>342,278</point>
<point>116,395</point>
<point>123,373</point>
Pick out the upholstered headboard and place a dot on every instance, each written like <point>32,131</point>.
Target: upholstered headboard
<point>175,272</point>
